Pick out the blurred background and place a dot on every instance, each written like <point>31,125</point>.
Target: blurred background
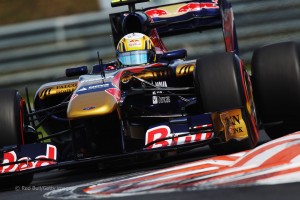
<point>39,39</point>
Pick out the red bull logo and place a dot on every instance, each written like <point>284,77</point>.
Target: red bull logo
<point>134,43</point>
<point>25,163</point>
<point>156,12</point>
<point>164,137</point>
<point>190,7</point>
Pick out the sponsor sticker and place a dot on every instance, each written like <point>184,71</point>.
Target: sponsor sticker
<point>162,134</point>
<point>156,98</point>
<point>26,162</point>
<point>160,99</point>
<point>161,84</point>
<point>93,88</point>
<point>180,9</point>
<point>156,12</point>
<point>135,43</point>
<point>190,7</point>
<point>89,108</point>
<point>231,123</point>
<point>58,89</point>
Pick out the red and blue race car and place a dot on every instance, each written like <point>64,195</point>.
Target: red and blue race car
<point>120,110</point>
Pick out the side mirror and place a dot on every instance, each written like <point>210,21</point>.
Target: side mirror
<point>100,68</point>
<point>76,71</point>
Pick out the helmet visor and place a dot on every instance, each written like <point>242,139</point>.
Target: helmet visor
<point>133,57</point>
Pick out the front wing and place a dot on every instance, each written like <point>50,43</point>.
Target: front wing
<point>225,125</point>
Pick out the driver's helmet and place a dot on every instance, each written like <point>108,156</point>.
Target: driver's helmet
<point>135,49</point>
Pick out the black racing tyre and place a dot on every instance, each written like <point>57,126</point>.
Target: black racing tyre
<point>276,85</point>
<point>282,128</point>
<point>218,81</point>
<point>11,118</point>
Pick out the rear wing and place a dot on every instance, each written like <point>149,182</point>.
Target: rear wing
<point>186,17</point>
<point>180,18</point>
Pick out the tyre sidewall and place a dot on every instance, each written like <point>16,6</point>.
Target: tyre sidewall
<point>11,118</point>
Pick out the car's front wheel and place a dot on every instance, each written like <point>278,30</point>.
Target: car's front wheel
<point>223,84</point>
<point>12,117</point>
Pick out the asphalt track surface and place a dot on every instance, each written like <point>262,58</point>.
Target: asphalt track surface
<point>60,179</point>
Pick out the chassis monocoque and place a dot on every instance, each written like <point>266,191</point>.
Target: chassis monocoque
<point>114,112</point>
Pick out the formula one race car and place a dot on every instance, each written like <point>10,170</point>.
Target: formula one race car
<point>150,100</point>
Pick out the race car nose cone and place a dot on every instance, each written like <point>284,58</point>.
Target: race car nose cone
<point>91,105</point>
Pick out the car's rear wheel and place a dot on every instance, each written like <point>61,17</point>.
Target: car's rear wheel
<point>12,112</point>
<point>222,84</point>
<point>276,84</point>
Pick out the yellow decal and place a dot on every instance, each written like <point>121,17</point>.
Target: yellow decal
<point>58,89</point>
<point>183,70</point>
<point>231,124</point>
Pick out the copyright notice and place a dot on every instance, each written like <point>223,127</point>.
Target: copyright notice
<point>37,188</point>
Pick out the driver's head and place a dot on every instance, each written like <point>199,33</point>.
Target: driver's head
<point>135,49</point>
